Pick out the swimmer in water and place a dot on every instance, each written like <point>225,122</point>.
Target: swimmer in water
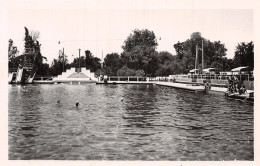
<point>77,104</point>
<point>58,101</point>
<point>25,90</point>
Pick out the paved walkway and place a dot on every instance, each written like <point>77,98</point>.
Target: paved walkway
<point>218,89</point>
<point>195,88</point>
<point>187,86</point>
<point>191,87</point>
<point>125,82</point>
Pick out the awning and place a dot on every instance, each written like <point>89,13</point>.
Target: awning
<point>238,69</point>
<point>193,70</point>
<point>210,69</point>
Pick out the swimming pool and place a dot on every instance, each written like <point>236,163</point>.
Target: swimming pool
<point>126,122</point>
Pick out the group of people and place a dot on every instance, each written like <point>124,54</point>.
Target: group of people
<point>234,87</point>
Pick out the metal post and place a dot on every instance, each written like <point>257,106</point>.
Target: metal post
<point>202,65</point>
<point>79,59</point>
<point>63,58</point>
<point>196,57</point>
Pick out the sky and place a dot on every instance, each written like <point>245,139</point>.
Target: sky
<point>101,29</point>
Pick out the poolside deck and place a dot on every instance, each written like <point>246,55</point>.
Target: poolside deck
<point>126,82</point>
<point>186,86</point>
<point>190,87</point>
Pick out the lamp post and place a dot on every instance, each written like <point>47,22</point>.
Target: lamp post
<point>202,65</point>
<point>79,59</point>
<point>63,58</point>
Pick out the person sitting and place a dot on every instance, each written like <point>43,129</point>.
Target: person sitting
<point>242,90</point>
<point>230,88</point>
<point>207,86</point>
<point>236,89</point>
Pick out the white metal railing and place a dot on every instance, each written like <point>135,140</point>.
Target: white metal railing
<point>181,77</point>
<point>247,77</point>
<point>134,78</point>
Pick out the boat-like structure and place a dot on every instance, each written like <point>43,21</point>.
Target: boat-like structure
<point>245,97</point>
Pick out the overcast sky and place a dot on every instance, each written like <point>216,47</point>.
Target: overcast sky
<point>89,25</point>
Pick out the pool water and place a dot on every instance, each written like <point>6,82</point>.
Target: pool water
<point>126,122</point>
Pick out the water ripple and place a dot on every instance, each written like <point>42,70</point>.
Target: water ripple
<point>151,123</point>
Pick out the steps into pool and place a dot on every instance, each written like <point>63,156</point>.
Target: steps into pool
<point>76,75</point>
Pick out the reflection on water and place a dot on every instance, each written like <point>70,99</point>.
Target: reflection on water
<point>150,123</point>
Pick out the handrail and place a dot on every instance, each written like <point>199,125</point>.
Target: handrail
<point>248,77</point>
<point>241,77</point>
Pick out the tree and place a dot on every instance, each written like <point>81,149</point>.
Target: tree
<point>33,50</point>
<point>125,71</point>
<point>112,63</point>
<point>57,64</point>
<point>43,70</point>
<point>227,64</point>
<point>213,53</point>
<point>12,54</point>
<point>12,50</point>
<point>165,62</point>
<point>139,49</point>
<point>164,57</point>
<point>92,63</point>
<point>179,48</point>
<point>75,62</point>
<point>244,55</point>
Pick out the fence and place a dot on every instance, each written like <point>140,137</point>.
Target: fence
<point>241,77</point>
<point>135,78</point>
<point>130,78</point>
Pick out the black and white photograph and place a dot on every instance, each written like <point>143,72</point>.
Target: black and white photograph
<point>97,80</point>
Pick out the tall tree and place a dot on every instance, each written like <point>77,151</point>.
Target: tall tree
<point>213,53</point>
<point>138,50</point>
<point>164,61</point>
<point>12,50</point>
<point>92,63</point>
<point>75,62</point>
<point>244,54</point>
<point>33,50</point>
<point>179,48</point>
<point>57,64</point>
<point>112,63</point>
<point>12,54</point>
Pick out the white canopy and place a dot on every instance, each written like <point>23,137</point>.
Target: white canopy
<point>239,68</point>
<point>193,70</point>
<point>210,69</point>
